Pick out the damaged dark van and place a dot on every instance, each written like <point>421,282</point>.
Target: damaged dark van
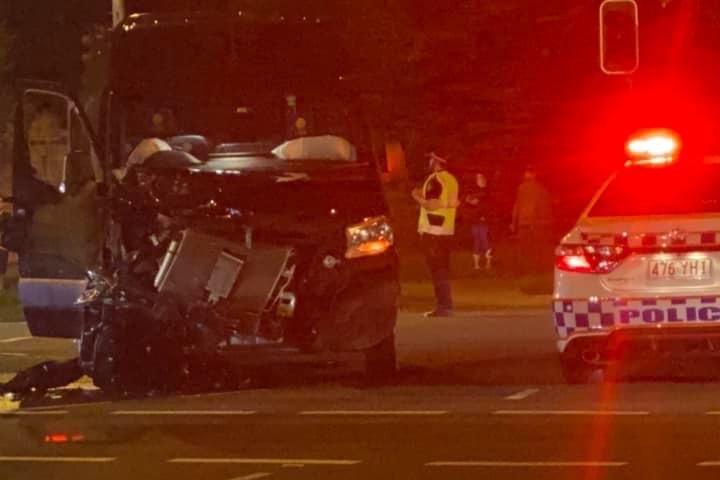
<point>227,209</point>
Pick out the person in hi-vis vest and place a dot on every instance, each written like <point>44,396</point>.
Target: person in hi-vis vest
<point>438,200</point>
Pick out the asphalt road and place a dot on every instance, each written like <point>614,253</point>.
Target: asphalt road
<point>480,396</point>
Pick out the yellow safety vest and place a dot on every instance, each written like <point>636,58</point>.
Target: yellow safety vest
<point>442,220</point>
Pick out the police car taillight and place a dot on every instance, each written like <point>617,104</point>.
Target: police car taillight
<point>589,258</point>
<point>654,148</point>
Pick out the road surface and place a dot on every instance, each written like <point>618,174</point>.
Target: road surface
<point>480,396</point>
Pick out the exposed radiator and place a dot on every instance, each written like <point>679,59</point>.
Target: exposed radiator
<point>238,279</point>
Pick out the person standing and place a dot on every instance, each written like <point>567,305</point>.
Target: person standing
<point>477,213</point>
<point>532,222</point>
<point>438,200</point>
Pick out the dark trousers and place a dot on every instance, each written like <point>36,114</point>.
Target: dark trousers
<point>535,249</point>
<point>481,242</point>
<point>437,255</point>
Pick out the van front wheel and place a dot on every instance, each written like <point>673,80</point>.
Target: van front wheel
<point>381,366</point>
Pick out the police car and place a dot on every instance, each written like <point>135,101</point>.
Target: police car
<point>640,271</point>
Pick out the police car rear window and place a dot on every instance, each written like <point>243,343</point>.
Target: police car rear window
<point>673,190</point>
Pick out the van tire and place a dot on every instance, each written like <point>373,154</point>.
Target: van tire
<point>105,356</point>
<point>381,367</point>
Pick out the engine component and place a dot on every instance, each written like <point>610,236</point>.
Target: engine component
<point>287,301</point>
<point>165,265</point>
<point>242,280</point>
<point>224,276</point>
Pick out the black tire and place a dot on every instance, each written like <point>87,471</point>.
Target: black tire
<point>381,367</point>
<point>577,372</point>
<point>105,355</point>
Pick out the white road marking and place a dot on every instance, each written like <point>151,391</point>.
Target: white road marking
<point>185,412</point>
<point>12,354</point>
<point>374,412</point>
<point>59,459</point>
<point>32,412</point>
<point>620,413</point>
<point>67,405</point>
<point>267,461</point>
<point>710,463</point>
<point>253,476</point>
<point>712,412</point>
<point>498,464</point>
<point>15,339</point>
<point>523,394</point>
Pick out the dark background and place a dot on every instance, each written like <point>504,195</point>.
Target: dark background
<point>494,84</point>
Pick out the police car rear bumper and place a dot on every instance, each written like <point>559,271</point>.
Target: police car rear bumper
<point>580,319</point>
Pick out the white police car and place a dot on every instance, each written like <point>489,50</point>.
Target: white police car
<point>640,271</point>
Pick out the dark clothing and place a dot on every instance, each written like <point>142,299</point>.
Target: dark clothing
<point>434,188</point>
<point>533,205</point>
<point>532,217</point>
<point>476,210</point>
<point>437,255</point>
<point>479,213</point>
<point>43,377</point>
<point>535,250</point>
<point>481,240</point>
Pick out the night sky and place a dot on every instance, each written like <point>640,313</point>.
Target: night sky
<point>48,35</point>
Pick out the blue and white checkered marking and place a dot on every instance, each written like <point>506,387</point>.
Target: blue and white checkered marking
<point>576,316</point>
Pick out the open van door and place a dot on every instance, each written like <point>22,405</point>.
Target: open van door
<point>57,220</point>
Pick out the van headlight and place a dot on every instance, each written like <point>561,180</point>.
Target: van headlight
<point>371,237</point>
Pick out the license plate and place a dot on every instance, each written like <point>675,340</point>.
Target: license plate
<point>681,269</point>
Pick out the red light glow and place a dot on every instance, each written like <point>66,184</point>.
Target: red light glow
<point>658,146</point>
<point>60,438</point>
<point>575,263</point>
<point>57,438</point>
<point>588,258</point>
<point>653,162</point>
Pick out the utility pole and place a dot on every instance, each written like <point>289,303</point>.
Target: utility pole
<point>118,12</point>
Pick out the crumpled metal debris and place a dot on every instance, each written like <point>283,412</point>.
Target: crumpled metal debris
<point>43,377</point>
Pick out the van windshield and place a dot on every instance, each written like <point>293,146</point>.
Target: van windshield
<point>218,60</point>
<point>243,87</point>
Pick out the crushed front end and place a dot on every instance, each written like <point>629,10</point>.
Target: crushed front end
<point>198,272</point>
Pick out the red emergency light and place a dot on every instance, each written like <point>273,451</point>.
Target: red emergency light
<point>655,148</point>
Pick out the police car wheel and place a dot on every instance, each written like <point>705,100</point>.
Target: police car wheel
<point>576,372</point>
<point>381,362</point>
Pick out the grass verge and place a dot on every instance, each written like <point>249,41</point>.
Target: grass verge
<point>10,308</point>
